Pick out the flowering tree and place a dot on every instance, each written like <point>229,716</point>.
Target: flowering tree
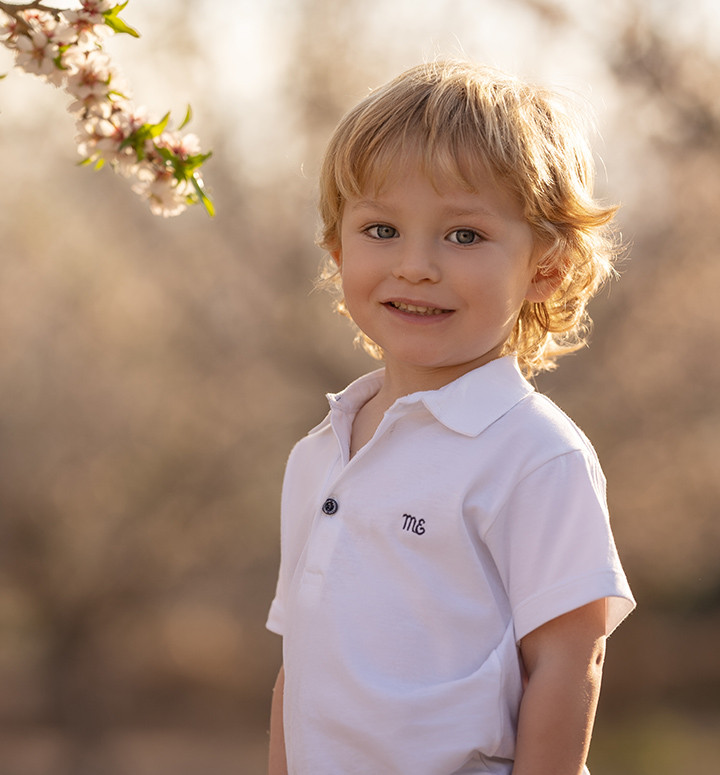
<point>64,47</point>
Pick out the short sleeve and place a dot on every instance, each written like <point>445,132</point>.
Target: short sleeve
<point>553,546</point>
<point>293,534</point>
<point>276,616</point>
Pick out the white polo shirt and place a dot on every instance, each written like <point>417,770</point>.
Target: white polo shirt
<point>408,574</point>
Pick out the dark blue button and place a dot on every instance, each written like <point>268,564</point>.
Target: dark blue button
<point>330,507</point>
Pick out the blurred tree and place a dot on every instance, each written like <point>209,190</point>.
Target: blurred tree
<point>155,376</point>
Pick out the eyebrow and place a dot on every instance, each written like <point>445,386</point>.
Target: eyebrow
<point>367,204</point>
<point>454,212</point>
<point>461,212</point>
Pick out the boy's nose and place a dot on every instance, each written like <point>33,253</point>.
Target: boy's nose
<point>417,263</point>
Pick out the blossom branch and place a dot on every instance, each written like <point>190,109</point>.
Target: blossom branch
<point>12,8</point>
<point>64,47</point>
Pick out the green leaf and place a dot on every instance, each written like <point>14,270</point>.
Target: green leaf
<point>113,20</point>
<point>177,164</point>
<point>202,196</point>
<point>168,155</point>
<point>187,119</point>
<point>194,162</point>
<point>183,169</point>
<point>116,93</point>
<point>155,130</point>
<point>144,133</point>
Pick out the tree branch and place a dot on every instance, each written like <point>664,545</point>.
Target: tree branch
<point>11,9</point>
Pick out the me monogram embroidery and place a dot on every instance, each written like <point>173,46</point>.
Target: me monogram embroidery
<point>413,524</point>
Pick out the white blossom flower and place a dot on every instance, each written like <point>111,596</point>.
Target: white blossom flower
<point>181,145</point>
<point>39,20</point>
<point>92,105</point>
<point>91,11</point>
<point>74,58</point>
<point>124,161</point>
<point>89,27</point>
<point>38,45</point>
<point>105,135</point>
<point>166,196</point>
<point>35,54</point>
<point>98,134</point>
<point>90,74</point>
<point>62,35</point>
<point>8,28</point>
<point>90,132</point>
<point>123,158</point>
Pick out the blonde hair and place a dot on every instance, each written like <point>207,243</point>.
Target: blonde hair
<point>459,120</point>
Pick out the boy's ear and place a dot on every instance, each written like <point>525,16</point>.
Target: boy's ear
<point>545,281</point>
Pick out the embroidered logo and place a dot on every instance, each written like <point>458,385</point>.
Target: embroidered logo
<point>413,524</point>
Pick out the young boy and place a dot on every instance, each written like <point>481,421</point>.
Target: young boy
<point>448,573</point>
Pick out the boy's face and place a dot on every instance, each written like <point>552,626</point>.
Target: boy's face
<point>437,277</point>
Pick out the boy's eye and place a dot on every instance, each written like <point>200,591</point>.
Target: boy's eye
<point>464,237</point>
<point>380,231</point>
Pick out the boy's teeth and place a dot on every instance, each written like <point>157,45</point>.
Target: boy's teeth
<point>418,310</point>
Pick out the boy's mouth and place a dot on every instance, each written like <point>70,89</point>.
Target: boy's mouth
<point>416,309</point>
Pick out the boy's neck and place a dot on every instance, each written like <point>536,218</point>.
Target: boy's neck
<point>396,384</point>
<point>402,380</point>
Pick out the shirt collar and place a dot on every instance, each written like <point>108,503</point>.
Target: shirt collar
<point>473,402</point>
<point>357,393</point>
<point>468,405</point>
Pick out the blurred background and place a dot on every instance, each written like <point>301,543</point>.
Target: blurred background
<point>155,373</point>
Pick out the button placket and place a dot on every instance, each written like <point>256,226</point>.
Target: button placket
<point>322,543</point>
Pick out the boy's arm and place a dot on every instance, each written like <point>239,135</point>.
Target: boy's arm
<point>277,764</point>
<point>563,661</point>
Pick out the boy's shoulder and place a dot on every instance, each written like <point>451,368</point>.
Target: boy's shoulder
<point>496,399</point>
<point>541,418</point>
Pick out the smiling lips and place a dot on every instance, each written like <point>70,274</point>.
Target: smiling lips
<point>416,309</point>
